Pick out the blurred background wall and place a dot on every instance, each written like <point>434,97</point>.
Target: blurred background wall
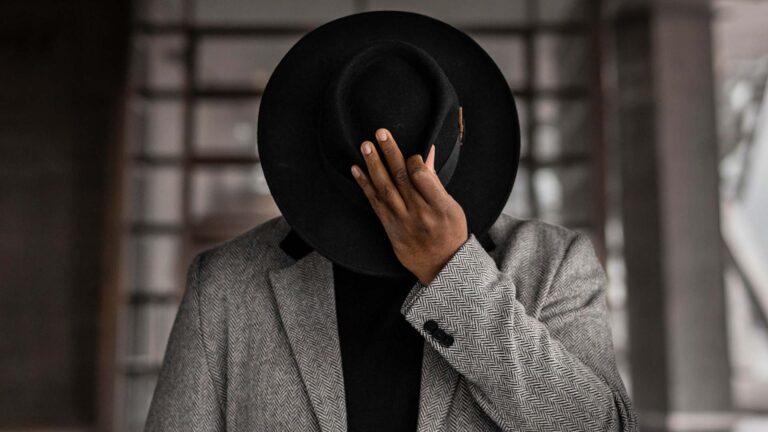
<point>63,69</point>
<point>128,144</point>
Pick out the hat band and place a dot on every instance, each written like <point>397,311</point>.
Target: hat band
<point>446,171</point>
<point>352,191</point>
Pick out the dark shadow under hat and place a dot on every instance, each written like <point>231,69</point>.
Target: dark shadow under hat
<point>425,81</point>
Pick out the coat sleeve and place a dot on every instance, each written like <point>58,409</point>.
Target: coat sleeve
<point>185,398</point>
<point>553,372</point>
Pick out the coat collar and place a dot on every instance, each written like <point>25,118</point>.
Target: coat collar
<point>305,297</point>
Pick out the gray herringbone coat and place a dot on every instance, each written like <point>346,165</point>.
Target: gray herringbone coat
<point>255,345</point>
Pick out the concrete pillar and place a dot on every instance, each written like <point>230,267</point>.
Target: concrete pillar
<point>668,150</point>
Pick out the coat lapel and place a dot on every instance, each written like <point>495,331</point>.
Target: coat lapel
<point>305,297</point>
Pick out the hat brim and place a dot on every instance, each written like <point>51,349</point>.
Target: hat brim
<point>288,143</point>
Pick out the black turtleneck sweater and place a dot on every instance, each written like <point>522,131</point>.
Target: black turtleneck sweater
<point>380,351</point>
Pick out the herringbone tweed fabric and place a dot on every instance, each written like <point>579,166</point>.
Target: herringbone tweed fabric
<point>255,345</point>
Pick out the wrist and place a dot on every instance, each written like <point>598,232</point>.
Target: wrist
<point>428,276</point>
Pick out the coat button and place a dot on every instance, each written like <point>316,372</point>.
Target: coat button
<point>444,338</point>
<point>430,326</point>
<point>448,341</point>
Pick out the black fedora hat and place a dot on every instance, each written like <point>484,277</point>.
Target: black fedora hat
<point>425,81</point>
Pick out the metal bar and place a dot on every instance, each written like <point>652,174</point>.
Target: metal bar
<point>155,161</point>
<point>566,92</point>
<point>596,117</point>
<point>226,93</point>
<point>223,30</point>
<point>190,62</point>
<point>146,229</point>
<point>203,93</point>
<point>142,298</point>
<point>561,93</point>
<point>206,30</point>
<point>578,223</point>
<point>195,160</point>
<point>561,160</point>
<point>566,160</point>
<point>111,282</point>
<point>530,112</point>
<point>148,93</point>
<point>224,160</point>
<point>563,28</point>
<point>134,369</point>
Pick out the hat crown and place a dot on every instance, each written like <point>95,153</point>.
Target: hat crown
<point>395,85</point>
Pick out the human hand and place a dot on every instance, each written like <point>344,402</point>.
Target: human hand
<point>425,225</point>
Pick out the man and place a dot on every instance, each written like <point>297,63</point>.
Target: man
<point>398,297</point>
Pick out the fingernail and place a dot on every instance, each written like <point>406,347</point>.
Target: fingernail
<point>381,135</point>
<point>355,171</point>
<point>367,148</point>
